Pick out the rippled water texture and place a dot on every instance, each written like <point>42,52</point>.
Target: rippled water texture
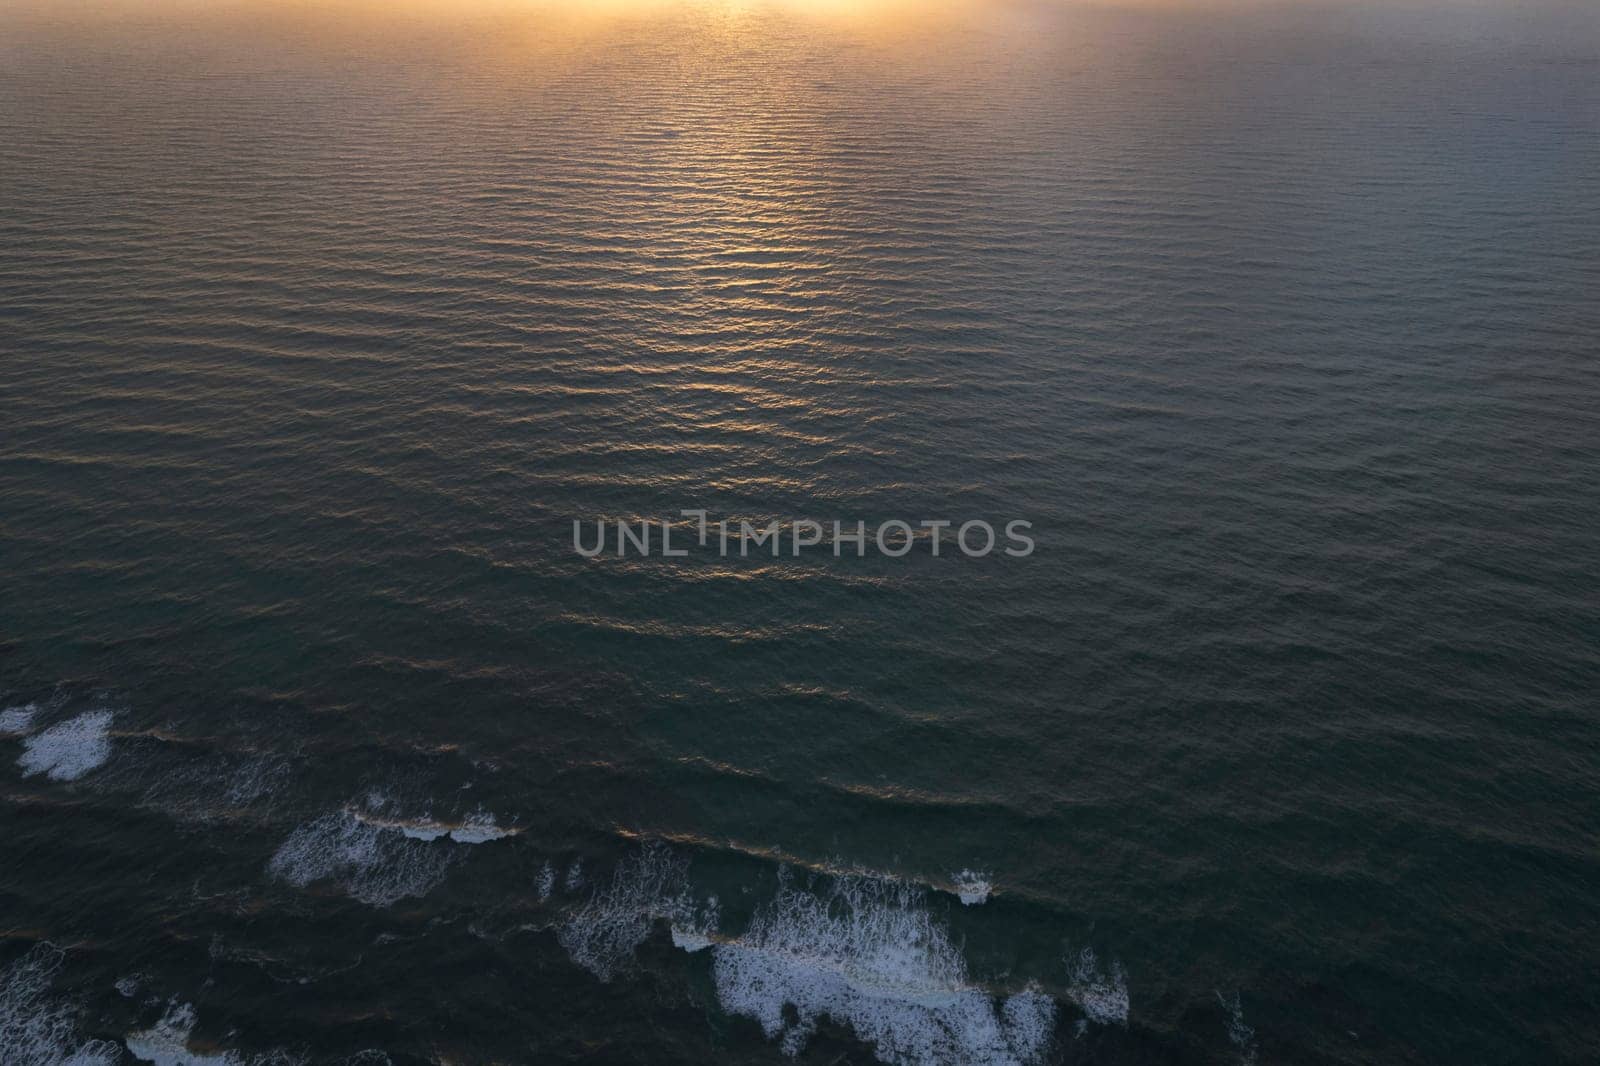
<point>320,324</point>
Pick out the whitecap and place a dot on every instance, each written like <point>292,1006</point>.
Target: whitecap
<point>37,1029</point>
<point>372,863</point>
<point>167,1044</point>
<point>14,720</point>
<point>651,884</point>
<point>480,827</point>
<point>972,887</point>
<point>68,750</point>
<point>694,928</point>
<point>869,955</point>
<point>1102,995</point>
<point>690,940</point>
<point>547,881</point>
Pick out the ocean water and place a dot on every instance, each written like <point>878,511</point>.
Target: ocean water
<point>320,324</point>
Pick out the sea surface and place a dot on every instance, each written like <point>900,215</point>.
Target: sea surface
<point>321,324</point>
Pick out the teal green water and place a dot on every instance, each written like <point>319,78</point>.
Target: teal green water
<point>320,743</point>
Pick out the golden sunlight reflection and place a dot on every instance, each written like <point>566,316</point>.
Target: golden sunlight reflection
<point>467,10</point>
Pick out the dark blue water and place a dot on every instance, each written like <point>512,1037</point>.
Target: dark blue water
<point>319,327</point>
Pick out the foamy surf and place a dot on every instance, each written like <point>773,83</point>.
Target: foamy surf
<point>869,955</point>
<point>375,855</point>
<point>371,863</point>
<point>972,887</point>
<point>167,1044</point>
<point>19,719</point>
<point>650,885</point>
<point>38,1029</point>
<point>1102,994</point>
<point>68,750</point>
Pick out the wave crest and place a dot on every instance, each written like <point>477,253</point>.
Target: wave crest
<point>372,863</point>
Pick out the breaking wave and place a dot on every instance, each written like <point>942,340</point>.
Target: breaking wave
<point>869,955</point>
<point>167,1044</point>
<point>376,855</point>
<point>650,885</point>
<point>371,863</point>
<point>476,828</point>
<point>972,887</point>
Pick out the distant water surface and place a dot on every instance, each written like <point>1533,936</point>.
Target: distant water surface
<point>320,325</point>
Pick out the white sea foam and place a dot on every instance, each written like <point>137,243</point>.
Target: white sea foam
<point>1029,1021</point>
<point>972,887</point>
<point>575,875</point>
<point>694,928</point>
<point>68,750</point>
<point>1242,1036</point>
<point>377,855</point>
<point>373,863</point>
<point>256,778</point>
<point>547,880</point>
<point>479,827</point>
<point>207,788</point>
<point>868,954</point>
<point>1102,995</point>
<point>167,1044</point>
<point>38,1029</point>
<point>14,720</point>
<point>649,885</point>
